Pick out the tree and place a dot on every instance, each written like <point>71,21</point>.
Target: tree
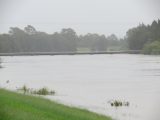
<point>93,42</point>
<point>139,36</point>
<point>102,43</point>
<point>30,30</point>
<point>20,39</point>
<point>69,38</point>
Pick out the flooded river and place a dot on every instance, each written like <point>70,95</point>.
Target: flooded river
<point>90,81</point>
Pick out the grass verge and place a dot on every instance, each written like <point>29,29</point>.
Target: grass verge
<point>15,106</point>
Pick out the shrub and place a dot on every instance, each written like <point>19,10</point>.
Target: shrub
<point>152,48</point>
<point>118,103</point>
<point>41,91</point>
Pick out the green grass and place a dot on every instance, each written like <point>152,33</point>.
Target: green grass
<point>15,106</point>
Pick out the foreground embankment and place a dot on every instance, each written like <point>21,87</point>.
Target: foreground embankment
<point>15,106</point>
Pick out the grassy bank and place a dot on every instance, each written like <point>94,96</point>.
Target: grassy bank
<point>14,106</point>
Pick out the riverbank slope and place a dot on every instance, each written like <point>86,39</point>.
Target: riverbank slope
<point>15,106</point>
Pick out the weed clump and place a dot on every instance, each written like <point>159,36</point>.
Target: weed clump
<point>41,91</point>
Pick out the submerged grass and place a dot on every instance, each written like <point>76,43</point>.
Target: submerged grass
<point>41,91</point>
<point>14,106</point>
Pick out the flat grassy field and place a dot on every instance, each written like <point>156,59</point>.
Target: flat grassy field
<point>15,106</point>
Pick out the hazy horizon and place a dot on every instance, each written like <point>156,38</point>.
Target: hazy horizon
<point>84,16</point>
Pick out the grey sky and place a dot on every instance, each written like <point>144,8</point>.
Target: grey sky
<point>94,16</point>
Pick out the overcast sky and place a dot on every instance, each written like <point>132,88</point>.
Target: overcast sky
<point>84,16</point>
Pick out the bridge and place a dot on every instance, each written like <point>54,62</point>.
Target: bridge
<point>70,53</point>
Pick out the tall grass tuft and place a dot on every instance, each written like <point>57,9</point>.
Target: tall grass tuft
<point>41,91</point>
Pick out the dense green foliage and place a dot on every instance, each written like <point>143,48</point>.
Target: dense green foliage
<point>144,37</point>
<point>152,48</point>
<point>14,106</point>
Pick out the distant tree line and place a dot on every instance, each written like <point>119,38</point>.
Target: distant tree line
<point>31,40</point>
<point>145,38</point>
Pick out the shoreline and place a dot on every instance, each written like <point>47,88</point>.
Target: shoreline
<point>69,53</point>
